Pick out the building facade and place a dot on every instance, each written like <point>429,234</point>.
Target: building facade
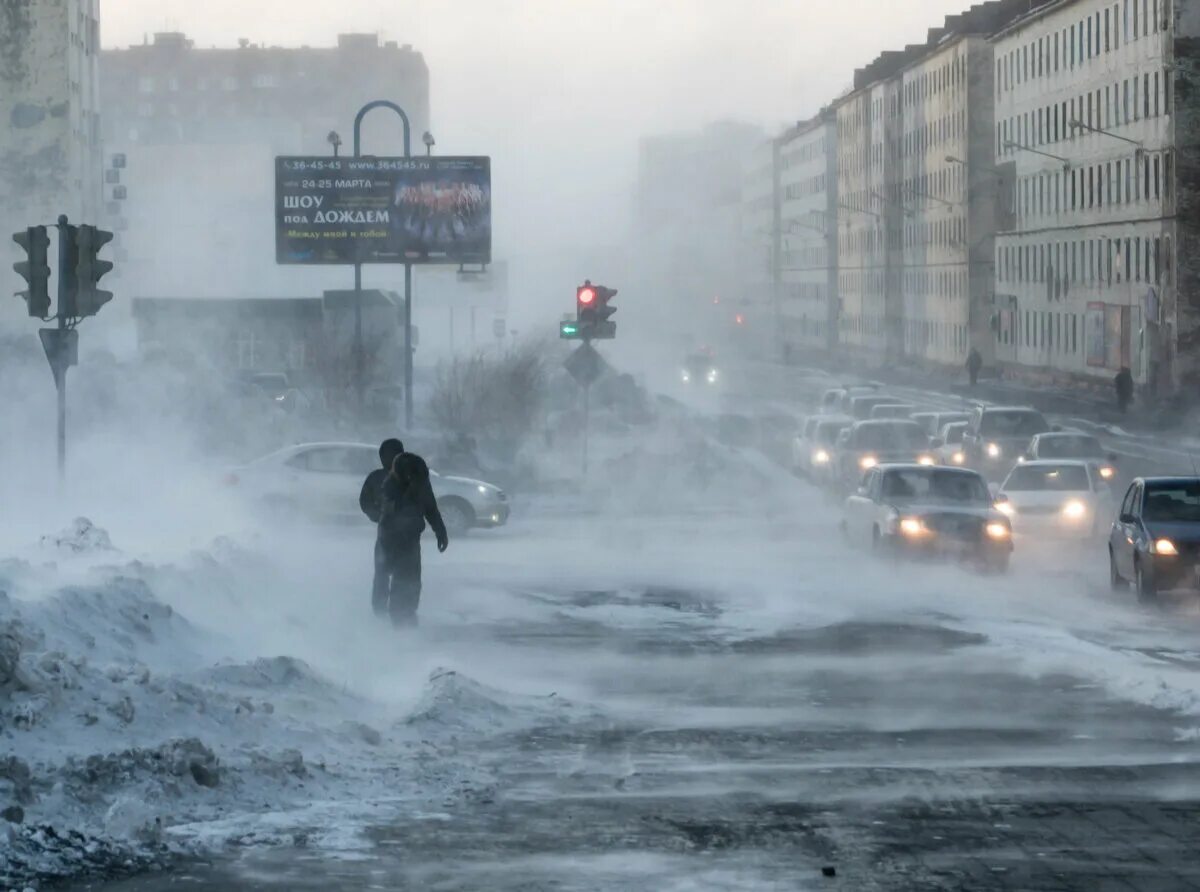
<point>200,129</point>
<point>806,159</point>
<point>50,142</point>
<point>757,301</point>
<point>1095,110</point>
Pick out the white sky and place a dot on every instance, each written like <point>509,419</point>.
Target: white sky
<point>558,91</point>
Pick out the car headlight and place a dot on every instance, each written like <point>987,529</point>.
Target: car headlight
<point>483,490</point>
<point>711,376</point>
<point>820,457</point>
<point>1107,473</point>
<point>686,377</point>
<point>925,460</point>
<point>997,530</point>
<point>912,527</point>
<point>1074,510</point>
<point>1163,546</point>
<point>867,462</point>
<point>1006,508</point>
<point>959,458</point>
<point>993,450</point>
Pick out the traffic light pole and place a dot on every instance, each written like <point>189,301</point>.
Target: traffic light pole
<point>58,362</point>
<point>360,370</point>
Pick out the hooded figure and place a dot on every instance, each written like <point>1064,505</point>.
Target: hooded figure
<point>398,497</point>
<point>1123,383</point>
<point>974,365</point>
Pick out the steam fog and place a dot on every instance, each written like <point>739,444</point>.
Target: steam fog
<point>662,659</point>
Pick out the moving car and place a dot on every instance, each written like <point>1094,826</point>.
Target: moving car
<point>997,435</point>
<point>921,510</point>
<point>1155,540</point>
<point>934,422</point>
<point>947,446</point>
<point>893,410</point>
<point>1072,444</point>
<point>323,480</point>
<point>836,400</point>
<point>700,368</point>
<point>1058,499</point>
<point>869,443</point>
<point>860,407</point>
<point>812,450</point>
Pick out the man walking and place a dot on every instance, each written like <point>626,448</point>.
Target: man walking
<point>974,365</point>
<point>398,498</point>
<point>1123,383</point>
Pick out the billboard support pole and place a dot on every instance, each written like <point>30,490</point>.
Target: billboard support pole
<point>358,335</point>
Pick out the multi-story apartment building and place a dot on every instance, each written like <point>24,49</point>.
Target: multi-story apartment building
<point>50,148</point>
<point>1092,105</point>
<point>758,296</point>
<point>948,189</point>
<point>869,210</point>
<point>807,256</point>
<point>200,128</point>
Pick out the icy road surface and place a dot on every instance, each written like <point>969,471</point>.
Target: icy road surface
<point>709,698</point>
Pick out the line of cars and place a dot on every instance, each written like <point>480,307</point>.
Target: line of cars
<point>955,482</point>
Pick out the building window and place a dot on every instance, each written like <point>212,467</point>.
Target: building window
<point>145,85</point>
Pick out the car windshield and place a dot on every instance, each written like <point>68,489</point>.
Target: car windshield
<point>934,485</point>
<point>889,436</point>
<point>953,433</point>
<point>1173,503</point>
<point>1012,423</point>
<point>1047,478</point>
<point>827,433</point>
<point>1070,447</point>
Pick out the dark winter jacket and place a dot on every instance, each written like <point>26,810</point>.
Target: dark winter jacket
<point>400,501</point>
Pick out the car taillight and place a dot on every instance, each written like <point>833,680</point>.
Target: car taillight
<point>231,479</point>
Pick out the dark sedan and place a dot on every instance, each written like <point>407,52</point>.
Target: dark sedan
<point>922,510</point>
<point>1155,540</point>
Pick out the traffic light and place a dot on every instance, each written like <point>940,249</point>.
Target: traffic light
<point>89,269</point>
<point>603,296</point>
<point>585,302</point>
<point>35,270</point>
<point>570,330</point>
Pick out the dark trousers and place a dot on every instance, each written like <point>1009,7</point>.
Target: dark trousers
<point>397,588</point>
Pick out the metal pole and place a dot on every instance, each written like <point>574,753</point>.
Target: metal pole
<point>358,119</point>
<point>408,348</point>
<point>451,309</point>
<point>65,282</point>
<point>359,363</point>
<point>587,413</point>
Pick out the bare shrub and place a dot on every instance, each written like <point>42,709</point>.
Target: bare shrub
<point>499,397</point>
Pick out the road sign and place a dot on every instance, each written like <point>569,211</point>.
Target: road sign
<point>585,365</point>
<point>62,348</point>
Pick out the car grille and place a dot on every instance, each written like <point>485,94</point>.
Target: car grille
<point>501,496</point>
<point>1039,510</point>
<point>956,526</point>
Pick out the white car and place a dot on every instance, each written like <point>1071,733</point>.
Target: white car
<point>812,449</point>
<point>947,446</point>
<point>1057,499</point>
<point>323,480</point>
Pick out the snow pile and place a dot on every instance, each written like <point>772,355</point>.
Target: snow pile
<point>81,537</point>
<point>453,704</point>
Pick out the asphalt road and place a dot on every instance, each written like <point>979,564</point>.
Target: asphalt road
<point>731,698</point>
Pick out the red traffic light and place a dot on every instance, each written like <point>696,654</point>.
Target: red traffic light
<point>586,296</point>
<point>739,319</point>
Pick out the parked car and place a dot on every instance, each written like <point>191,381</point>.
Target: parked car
<point>869,443</point>
<point>1155,540</point>
<point>323,480</point>
<point>812,449</point>
<point>1057,499</point>
<point>933,422</point>
<point>1071,444</point>
<point>947,446</point>
<point>997,435</point>
<point>893,410</point>
<point>921,510</point>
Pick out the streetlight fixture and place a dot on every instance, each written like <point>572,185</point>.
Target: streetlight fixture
<point>1066,163</point>
<point>1076,124</point>
<point>429,141</point>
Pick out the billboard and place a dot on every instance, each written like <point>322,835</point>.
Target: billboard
<point>383,210</point>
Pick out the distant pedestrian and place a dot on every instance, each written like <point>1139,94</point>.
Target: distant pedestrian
<point>399,498</point>
<point>974,365</point>
<point>1123,384</point>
